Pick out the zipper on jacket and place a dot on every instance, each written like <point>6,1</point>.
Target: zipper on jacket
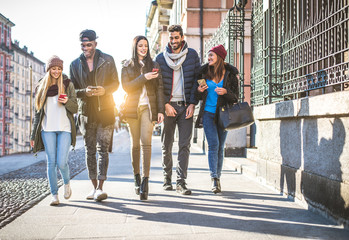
<point>183,88</point>
<point>98,66</point>
<point>99,103</point>
<point>171,87</point>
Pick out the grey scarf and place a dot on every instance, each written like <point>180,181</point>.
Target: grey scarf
<point>175,61</point>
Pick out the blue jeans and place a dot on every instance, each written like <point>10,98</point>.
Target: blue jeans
<point>216,137</point>
<point>57,146</point>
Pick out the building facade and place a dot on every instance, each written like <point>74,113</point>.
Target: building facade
<point>27,70</point>
<point>6,90</point>
<point>199,20</point>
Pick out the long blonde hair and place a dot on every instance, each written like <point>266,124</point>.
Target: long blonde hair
<point>44,85</point>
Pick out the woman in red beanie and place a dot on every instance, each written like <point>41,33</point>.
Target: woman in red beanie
<point>219,88</point>
<point>53,126</point>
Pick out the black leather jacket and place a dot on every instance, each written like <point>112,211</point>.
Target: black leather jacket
<point>106,76</point>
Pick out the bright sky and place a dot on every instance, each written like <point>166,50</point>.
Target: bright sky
<point>50,27</point>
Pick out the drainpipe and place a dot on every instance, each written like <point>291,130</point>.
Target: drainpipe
<point>201,30</point>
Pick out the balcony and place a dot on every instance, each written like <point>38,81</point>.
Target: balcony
<point>6,48</point>
<point>8,119</point>
<point>9,90</point>
<point>8,145</point>
<point>9,68</point>
<point>9,94</point>
<point>7,78</point>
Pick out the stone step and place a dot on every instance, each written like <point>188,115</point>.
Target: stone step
<point>244,166</point>
<point>251,153</point>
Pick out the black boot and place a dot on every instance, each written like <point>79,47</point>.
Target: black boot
<point>215,185</point>
<point>143,193</point>
<point>219,185</point>
<point>137,183</point>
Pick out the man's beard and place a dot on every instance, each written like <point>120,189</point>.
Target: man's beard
<point>178,46</point>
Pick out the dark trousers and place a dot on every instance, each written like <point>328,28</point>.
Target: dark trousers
<point>97,139</point>
<point>185,127</point>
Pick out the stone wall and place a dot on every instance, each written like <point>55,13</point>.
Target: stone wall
<point>303,150</point>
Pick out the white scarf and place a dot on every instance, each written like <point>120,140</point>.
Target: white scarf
<point>169,57</point>
<point>175,61</point>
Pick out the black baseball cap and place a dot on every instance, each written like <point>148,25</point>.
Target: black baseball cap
<point>89,34</point>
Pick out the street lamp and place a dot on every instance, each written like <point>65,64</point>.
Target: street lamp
<point>31,97</point>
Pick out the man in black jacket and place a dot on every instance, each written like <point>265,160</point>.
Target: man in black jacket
<point>179,65</point>
<point>95,79</point>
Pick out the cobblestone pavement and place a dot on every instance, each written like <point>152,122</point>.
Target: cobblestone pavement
<point>23,188</point>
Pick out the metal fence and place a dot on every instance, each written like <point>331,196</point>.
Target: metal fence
<point>231,34</point>
<point>299,47</point>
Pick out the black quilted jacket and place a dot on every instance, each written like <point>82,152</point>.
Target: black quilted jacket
<point>191,67</point>
<point>230,83</point>
<point>132,83</point>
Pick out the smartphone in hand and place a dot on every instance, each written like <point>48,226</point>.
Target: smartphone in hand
<point>155,70</point>
<point>202,82</point>
<point>62,96</point>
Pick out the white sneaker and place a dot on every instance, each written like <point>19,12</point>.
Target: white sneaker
<point>91,194</point>
<point>67,191</point>
<point>100,195</point>
<point>54,200</point>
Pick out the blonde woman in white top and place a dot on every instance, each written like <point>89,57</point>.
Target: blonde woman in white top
<point>54,128</point>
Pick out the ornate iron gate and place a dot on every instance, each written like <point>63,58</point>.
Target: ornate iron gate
<point>299,46</point>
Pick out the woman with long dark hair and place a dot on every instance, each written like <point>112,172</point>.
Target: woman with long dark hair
<point>54,127</point>
<point>141,79</point>
<point>218,86</point>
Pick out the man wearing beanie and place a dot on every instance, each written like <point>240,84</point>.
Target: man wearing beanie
<point>179,66</point>
<point>95,79</point>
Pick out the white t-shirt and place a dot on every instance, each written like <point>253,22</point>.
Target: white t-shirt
<point>55,118</point>
<point>143,98</point>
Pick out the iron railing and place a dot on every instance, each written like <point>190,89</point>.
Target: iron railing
<point>231,34</point>
<point>299,47</point>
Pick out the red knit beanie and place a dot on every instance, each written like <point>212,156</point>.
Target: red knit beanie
<point>220,51</point>
<point>54,61</point>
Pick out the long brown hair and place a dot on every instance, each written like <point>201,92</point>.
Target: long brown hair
<point>148,62</point>
<point>216,71</point>
<point>43,87</point>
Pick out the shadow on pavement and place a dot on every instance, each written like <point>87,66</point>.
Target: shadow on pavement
<point>233,214</point>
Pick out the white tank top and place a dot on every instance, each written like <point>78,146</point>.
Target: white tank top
<point>55,118</point>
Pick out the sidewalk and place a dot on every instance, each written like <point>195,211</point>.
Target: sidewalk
<point>245,209</point>
<point>16,161</point>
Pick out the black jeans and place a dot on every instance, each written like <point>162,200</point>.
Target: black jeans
<point>185,127</point>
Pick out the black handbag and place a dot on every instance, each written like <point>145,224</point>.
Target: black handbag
<point>235,116</point>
